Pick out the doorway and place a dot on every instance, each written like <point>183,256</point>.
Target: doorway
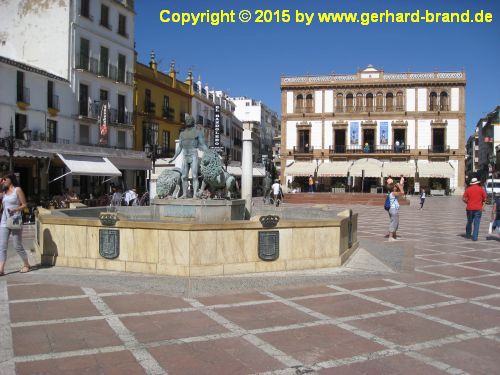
<point>399,140</point>
<point>339,141</point>
<point>368,138</point>
<point>438,140</point>
<point>304,141</point>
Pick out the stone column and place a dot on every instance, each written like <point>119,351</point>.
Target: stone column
<point>247,172</point>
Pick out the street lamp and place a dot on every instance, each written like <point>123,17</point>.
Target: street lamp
<point>11,144</point>
<point>492,170</point>
<point>152,152</point>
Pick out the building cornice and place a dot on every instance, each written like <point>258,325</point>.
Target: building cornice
<point>32,69</point>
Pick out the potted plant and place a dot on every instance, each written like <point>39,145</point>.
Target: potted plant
<point>437,188</point>
<point>338,187</point>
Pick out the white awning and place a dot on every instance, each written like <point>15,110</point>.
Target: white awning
<point>334,169</point>
<point>258,172</point>
<point>371,168</point>
<point>437,169</point>
<point>300,168</point>
<point>131,164</point>
<point>88,166</point>
<point>234,170</point>
<point>398,168</point>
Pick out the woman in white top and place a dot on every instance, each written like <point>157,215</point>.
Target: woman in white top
<point>14,202</point>
<point>396,191</point>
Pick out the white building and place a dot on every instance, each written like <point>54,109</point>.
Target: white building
<point>373,124</point>
<point>231,128</point>
<point>263,119</point>
<point>488,141</point>
<point>90,44</point>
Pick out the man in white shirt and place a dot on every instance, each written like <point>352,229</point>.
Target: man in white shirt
<point>277,192</point>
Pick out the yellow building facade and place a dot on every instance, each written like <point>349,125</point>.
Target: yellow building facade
<point>161,102</point>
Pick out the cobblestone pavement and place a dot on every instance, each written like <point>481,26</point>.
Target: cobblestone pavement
<point>439,314</point>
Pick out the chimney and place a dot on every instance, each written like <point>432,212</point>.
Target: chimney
<point>189,82</point>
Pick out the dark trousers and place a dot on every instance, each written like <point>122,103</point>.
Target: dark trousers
<point>473,219</point>
<point>422,201</point>
<point>311,188</point>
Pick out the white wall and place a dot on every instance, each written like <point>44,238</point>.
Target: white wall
<point>291,134</point>
<point>410,134</point>
<point>36,34</point>
<point>36,113</point>
<point>318,101</point>
<point>424,134</point>
<point>454,181</point>
<point>410,100</point>
<point>422,99</point>
<point>316,133</point>
<point>452,134</point>
<point>289,102</point>
<point>328,101</point>
<point>328,134</point>
<point>455,99</point>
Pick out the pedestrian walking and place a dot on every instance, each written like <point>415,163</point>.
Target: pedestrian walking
<point>311,184</point>
<point>422,198</point>
<point>13,202</point>
<point>396,190</point>
<point>475,198</point>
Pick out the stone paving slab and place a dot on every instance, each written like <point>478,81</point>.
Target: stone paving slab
<point>435,311</point>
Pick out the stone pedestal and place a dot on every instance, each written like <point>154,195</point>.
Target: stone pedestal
<point>200,210</point>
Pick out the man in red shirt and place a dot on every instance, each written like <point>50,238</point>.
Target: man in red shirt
<point>475,197</point>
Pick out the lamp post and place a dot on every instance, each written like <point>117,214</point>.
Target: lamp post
<point>152,152</point>
<point>11,144</point>
<point>492,170</point>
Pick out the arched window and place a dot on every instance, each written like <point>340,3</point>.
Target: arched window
<point>399,101</point>
<point>349,102</point>
<point>369,102</point>
<point>380,102</point>
<point>299,103</point>
<point>433,102</point>
<point>389,102</point>
<point>443,101</point>
<point>359,102</point>
<point>339,104</point>
<point>309,103</point>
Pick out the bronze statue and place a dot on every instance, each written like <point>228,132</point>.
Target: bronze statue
<point>190,140</point>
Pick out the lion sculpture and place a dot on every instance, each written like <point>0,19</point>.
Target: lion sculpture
<point>169,183</point>
<point>215,178</point>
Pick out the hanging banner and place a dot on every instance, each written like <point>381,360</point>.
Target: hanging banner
<point>103,122</point>
<point>384,131</point>
<point>217,124</point>
<point>354,133</point>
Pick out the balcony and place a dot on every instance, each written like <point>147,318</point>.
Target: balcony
<point>434,107</point>
<point>439,149</point>
<point>103,69</point>
<point>149,107</point>
<point>306,109</point>
<point>120,117</point>
<point>53,103</point>
<point>89,110</point>
<point>370,149</point>
<point>23,96</point>
<point>168,113</point>
<point>303,150</point>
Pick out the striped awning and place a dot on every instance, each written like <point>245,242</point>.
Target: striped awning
<point>398,168</point>
<point>334,169</point>
<point>437,169</point>
<point>371,168</point>
<point>29,154</point>
<point>300,168</point>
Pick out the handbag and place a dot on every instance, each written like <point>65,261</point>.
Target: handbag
<point>14,222</point>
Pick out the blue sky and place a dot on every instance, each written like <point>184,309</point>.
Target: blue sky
<point>248,59</point>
